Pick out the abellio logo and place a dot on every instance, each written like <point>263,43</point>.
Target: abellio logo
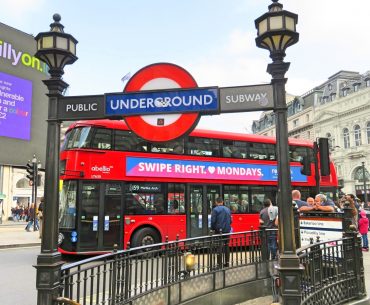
<point>16,57</point>
<point>101,169</point>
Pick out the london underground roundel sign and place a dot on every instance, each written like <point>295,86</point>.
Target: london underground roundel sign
<point>161,127</point>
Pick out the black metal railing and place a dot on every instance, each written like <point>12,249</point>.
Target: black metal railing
<point>164,270</point>
<point>178,271</point>
<point>333,271</point>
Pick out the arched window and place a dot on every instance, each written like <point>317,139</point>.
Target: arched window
<point>359,174</point>
<point>357,132</point>
<point>22,183</point>
<point>346,142</point>
<point>368,132</point>
<point>339,170</point>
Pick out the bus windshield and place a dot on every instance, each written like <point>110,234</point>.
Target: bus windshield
<point>77,138</point>
<point>67,205</point>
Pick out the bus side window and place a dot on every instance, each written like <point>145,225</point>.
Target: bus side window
<point>203,147</point>
<point>296,153</point>
<point>226,152</point>
<point>102,139</point>
<point>134,205</point>
<point>123,140</point>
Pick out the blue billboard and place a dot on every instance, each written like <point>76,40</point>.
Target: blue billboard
<point>155,167</point>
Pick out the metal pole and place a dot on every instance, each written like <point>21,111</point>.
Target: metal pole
<point>32,198</point>
<point>364,177</point>
<point>49,260</point>
<point>34,192</point>
<point>316,160</point>
<point>1,192</point>
<point>288,265</point>
<point>2,211</point>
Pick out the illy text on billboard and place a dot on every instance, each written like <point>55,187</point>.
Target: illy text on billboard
<point>8,52</point>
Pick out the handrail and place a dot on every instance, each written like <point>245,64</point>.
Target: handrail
<point>331,266</point>
<point>319,243</point>
<point>122,276</point>
<point>145,248</point>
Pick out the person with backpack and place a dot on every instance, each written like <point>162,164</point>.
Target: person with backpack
<point>269,219</point>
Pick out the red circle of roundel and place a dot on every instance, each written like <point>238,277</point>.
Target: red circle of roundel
<point>185,123</point>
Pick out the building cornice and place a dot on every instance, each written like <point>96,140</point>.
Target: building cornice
<point>300,129</point>
<point>343,114</point>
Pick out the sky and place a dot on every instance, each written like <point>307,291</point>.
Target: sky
<point>214,40</point>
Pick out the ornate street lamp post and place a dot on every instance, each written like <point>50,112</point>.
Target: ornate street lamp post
<point>57,49</point>
<point>277,31</point>
<point>364,177</point>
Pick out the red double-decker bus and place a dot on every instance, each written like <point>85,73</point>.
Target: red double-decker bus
<point>118,188</point>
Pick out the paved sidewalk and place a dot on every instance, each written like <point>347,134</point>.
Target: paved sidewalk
<point>13,235</point>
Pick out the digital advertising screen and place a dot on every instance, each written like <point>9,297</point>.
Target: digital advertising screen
<point>15,107</point>
<point>23,99</point>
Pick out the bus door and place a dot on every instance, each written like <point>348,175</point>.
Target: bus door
<point>201,200</point>
<point>112,221</point>
<point>100,223</point>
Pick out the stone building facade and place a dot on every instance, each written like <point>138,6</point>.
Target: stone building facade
<point>338,109</point>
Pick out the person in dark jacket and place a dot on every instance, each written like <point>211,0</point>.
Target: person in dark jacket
<point>221,223</point>
<point>221,217</point>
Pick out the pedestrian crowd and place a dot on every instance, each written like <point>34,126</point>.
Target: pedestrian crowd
<point>319,203</point>
<point>34,218</point>
<point>20,213</point>
<point>322,203</point>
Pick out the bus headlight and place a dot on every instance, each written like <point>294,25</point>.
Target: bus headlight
<point>74,236</point>
<point>60,238</point>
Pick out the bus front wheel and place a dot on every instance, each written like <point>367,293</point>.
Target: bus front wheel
<point>144,237</point>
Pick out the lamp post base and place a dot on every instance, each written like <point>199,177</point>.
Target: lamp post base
<point>48,277</point>
<point>290,271</point>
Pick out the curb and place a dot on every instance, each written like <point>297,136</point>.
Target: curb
<point>20,245</point>
<point>12,224</point>
<point>363,301</point>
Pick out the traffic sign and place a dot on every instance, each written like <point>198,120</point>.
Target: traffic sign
<point>246,98</point>
<point>202,100</point>
<point>73,108</point>
<point>161,127</point>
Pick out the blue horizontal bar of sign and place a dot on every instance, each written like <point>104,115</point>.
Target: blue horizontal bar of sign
<point>201,100</point>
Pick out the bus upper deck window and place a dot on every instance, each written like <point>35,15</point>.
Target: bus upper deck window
<point>102,139</point>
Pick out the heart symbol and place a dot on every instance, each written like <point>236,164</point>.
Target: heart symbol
<point>263,101</point>
<point>211,169</point>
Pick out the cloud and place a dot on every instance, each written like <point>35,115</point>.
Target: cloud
<point>231,122</point>
<point>20,9</point>
<point>238,63</point>
<point>332,38</point>
<point>239,42</point>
